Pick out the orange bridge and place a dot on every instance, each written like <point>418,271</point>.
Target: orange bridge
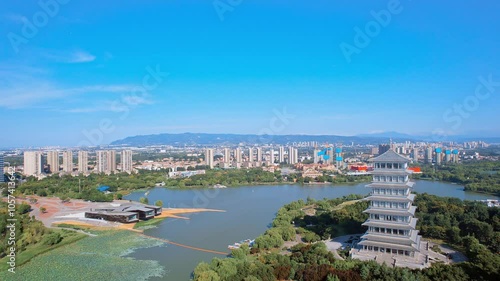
<point>186,246</point>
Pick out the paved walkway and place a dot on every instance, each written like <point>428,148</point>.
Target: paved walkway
<point>340,243</point>
<point>454,255</point>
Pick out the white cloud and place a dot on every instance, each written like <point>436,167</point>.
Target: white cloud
<point>39,92</point>
<point>28,87</point>
<point>15,18</point>
<point>95,108</point>
<point>78,56</point>
<point>135,100</point>
<point>116,105</point>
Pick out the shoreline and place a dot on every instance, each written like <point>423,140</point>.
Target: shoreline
<point>166,213</point>
<point>81,227</point>
<point>256,184</point>
<point>461,184</point>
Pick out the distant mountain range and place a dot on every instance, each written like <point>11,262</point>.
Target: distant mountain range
<point>226,139</point>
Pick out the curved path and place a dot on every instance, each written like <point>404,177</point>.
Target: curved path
<point>186,246</point>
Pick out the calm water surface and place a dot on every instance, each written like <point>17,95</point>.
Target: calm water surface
<point>249,211</point>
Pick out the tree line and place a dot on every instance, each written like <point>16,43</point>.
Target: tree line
<point>468,226</point>
<point>479,176</point>
<point>85,187</point>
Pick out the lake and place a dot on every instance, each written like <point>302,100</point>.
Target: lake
<point>249,212</point>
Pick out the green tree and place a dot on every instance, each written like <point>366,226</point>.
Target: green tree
<point>144,200</point>
<point>23,208</point>
<point>159,203</point>
<point>52,239</point>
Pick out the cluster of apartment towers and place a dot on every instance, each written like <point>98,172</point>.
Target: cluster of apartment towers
<point>431,154</point>
<point>253,158</point>
<point>105,162</point>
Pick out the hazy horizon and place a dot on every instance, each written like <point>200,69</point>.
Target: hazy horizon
<point>330,68</point>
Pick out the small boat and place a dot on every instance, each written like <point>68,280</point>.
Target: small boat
<point>238,245</point>
<point>219,186</point>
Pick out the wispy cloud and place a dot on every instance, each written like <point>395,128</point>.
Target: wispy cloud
<point>15,18</point>
<point>78,56</point>
<point>95,108</point>
<point>109,105</point>
<point>122,88</point>
<point>28,87</point>
<point>81,56</point>
<point>39,92</point>
<point>338,117</point>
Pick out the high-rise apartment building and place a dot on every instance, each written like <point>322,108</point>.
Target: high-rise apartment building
<point>68,161</point>
<point>330,152</point>
<point>455,156</point>
<point>438,155</point>
<point>112,160</point>
<point>428,155</point>
<point>293,155</point>
<point>415,154</point>
<point>237,155</point>
<point>1,168</point>
<point>259,154</point>
<point>316,156</point>
<point>339,159</point>
<point>32,163</point>
<point>281,155</point>
<point>53,161</point>
<point>383,148</point>
<point>209,157</point>
<point>106,161</point>
<point>250,155</point>
<point>227,155</point>
<point>126,161</point>
<point>83,161</point>
<point>101,164</point>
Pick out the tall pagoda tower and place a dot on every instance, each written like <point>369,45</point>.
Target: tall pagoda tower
<point>391,223</point>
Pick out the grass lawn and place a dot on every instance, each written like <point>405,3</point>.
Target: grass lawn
<point>34,250</point>
<point>344,204</point>
<point>76,227</point>
<point>150,222</point>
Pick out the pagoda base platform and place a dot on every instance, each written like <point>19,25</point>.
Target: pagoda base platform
<point>420,260</point>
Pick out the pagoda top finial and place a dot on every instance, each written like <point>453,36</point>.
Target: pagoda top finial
<point>390,156</point>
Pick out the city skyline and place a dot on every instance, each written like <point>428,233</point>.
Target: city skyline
<point>423,64</point>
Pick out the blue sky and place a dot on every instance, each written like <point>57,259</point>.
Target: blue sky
<point>232,66</point>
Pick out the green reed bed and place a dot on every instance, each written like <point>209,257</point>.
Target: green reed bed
<point>93,258</point>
